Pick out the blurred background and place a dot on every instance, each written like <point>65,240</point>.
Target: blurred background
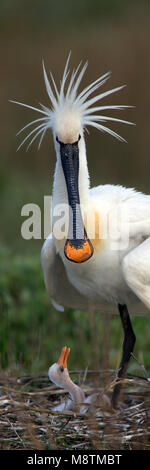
<point>113,35</point>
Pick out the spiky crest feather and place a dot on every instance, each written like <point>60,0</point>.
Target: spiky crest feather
<point>80,103</point>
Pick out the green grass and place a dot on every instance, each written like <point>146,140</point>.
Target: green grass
<point>32,332</point>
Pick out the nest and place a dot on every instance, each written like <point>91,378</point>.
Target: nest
<point>27,419</point>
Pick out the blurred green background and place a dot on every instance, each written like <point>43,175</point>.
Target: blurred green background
<point>113,35</point>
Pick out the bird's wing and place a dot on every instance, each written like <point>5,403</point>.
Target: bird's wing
<point>138,215</point>
<point>136,271</point>
<point>129,205</point>
<point>61,292</point>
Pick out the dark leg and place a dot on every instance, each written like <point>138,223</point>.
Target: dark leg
<point>128,345</point>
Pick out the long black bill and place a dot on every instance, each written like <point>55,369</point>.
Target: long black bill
<point>78,247</point>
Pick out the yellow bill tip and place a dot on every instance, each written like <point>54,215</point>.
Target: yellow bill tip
<point>78,251</point>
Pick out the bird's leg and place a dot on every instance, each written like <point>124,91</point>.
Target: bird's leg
<point>127,349</point>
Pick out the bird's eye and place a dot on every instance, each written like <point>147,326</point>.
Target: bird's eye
<point>61,368</point>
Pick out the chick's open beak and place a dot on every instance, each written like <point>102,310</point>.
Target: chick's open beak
<point>62,361</point>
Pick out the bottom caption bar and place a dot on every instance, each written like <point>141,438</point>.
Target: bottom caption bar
<point>61,459</point>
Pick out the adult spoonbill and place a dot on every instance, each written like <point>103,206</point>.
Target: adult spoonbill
<point>58,373</point>
<point>83,268</point>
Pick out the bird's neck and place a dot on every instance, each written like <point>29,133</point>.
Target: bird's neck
<point>76,393</point>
